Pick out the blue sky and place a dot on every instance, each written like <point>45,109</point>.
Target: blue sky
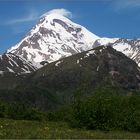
<point>105,18</point>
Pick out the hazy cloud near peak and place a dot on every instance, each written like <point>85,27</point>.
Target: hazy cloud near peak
<point>33,15</point>
<point>62,12</point>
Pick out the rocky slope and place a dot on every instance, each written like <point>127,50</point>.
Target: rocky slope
<point>12,63</point>
<point>129,47</point>
<point>100,65</point>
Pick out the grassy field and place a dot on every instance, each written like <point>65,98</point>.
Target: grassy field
<point>18,129</point>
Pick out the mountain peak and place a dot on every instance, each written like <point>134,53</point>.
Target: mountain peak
<point>54,37</point>
<point>61,14</point>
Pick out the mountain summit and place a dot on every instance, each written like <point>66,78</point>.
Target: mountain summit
<point>52,38</point>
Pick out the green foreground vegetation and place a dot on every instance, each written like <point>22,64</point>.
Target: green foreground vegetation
<point>106,110</point>
<point>108,113</point>
<point>18,129</point>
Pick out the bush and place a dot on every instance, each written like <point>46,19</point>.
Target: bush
<point>106,110</point>
<point>20,111</point>
<point>34,114</point>
<point>62,114</point>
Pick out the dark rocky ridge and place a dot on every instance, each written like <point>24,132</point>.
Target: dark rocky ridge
<point>14,64</point>
<point>103,64</point>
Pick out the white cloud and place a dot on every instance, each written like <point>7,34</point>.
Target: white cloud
<point>125,4</point>
<point>62,12</point>
<point>33,15</point>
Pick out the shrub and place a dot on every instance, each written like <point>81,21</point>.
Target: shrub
<point>106,110</point>
<point>20,111</point>
<point>62,114</point>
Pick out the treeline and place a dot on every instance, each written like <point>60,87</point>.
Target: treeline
<point>105,110</point>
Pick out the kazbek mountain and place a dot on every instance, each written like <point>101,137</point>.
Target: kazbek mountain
<point>55,37</point>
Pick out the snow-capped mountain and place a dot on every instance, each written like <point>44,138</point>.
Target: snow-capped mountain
<point>11,63</point>
<point>54,37</point>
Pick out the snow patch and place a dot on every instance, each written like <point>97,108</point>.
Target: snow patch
<point>57,63</point>
<point>78,61</point>
<point>97,68</point>
<point>1,72</point>
<point>90,52</point>
<point>10,70</point>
